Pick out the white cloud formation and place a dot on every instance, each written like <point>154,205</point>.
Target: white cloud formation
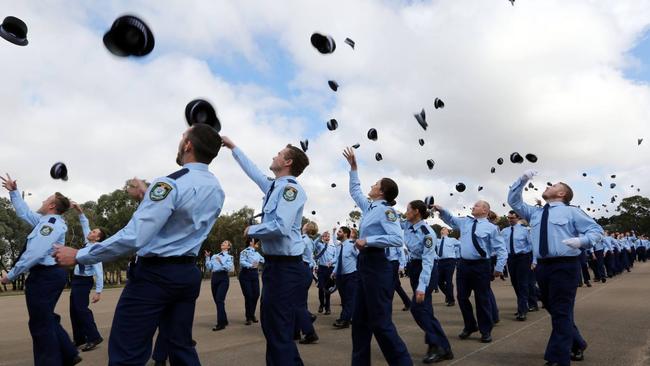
<point>543,76</point>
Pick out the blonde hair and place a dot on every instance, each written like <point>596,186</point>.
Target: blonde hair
<point>311,228</point>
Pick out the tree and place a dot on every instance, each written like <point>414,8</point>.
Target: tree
<point>13,236</point>
<point>634,215</point>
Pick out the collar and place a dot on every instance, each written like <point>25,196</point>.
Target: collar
<point>285,178</point>
<point>196,166</point>
<point>556,203</point>
<point>418,224</point>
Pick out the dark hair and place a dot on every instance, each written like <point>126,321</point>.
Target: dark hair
<point>103,234</point>
<point>299,160</point>
<point>389,189</point>
<point>61,203</point>
<point>346,230</point>
<point>420,207</point>
<point>512,212</point>
<point>569,193</point>
<point>205,141</point>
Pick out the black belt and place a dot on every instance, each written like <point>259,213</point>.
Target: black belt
<point>248,269</point>
<point>81,277</point>
<point>42,266</point>
<point>447,259</point>
<point>552,260</point>
<point>474,262</point>
<point>220,272</point>
<point>185,259</point>
<point>283,258</point>
<point>374,250</point>
<point>416,260</point>
<point>520,254</point>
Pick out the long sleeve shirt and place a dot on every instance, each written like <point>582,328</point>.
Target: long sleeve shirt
<point>249,257</point>
<point>97,269</point>
<point>520,239</point>
<point>221,262</point>
<point>422,241</point>
<point>348,257</point>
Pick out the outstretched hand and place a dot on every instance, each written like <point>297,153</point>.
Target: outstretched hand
<point>9,183</point>
<point>348,153</point>
<point>227,142</point>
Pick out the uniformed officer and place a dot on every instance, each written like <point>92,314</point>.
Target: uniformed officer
<point>478,239</point>
<point>598,257</point>
<point>325,256</point>
<point>283,276</point>
<point>166,231</point>
<point>641,248</point>
<point>421,241</point>
<point>249,279</point>
<point>305,319</point>
<point>346,275</point>
<point>84,329</point>
<point>43,287</point>
<point>397,260</point>
<point>448,251</point>
<point>520,258</point>
<point>379,229</point>
<point>220,265</point>
<point>610,256</point>
<point>558,231</point>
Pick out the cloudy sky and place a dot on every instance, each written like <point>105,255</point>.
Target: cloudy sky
<point>565,80</point>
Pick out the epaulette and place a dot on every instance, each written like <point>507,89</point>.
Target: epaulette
<point>425,230</point>
<point>179,173</point>
<point>52,220</point>
<point>292,181</point>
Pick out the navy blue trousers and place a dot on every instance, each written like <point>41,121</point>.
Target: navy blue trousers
<point>249,281</point>
<point>533,290</point>
<point>373,311</point>
<point>584,268</point>
<point>519,267</point>
<point>156,296</point>
<point>610,264</point>
<point>303,316</point>
<point>475,276</point>
<point>220,283</point>
<point>423,312</point>
<point>348,285</point>
<point>324,273</point>
<point>641,254</point>
<point>557,283</point>
<point>282,285</point>
<point>84,328</point>
<point>446,268</point>
<point>398,284</point>
<point>51,343</point>
<point>600,265</point>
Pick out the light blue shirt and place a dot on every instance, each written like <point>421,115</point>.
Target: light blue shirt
<point>96,269</point>
<point>640,243</point>
<point>379,224</point>
<point>421,241</point>
<point>174,218</point>
<point>350,254</point>
<point>282,212</point>
<point>328,256</point>
<point>308,252</point>
<point>603,245</point>
<point>46,230</point>
<point>248,257</point>
<point>564,222</point>
<point>221,262</point>
<point>521,238</point>
<point>487,235</point>
<point>451,248</point>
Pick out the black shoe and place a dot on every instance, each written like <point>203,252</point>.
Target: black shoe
<point>588,283</point>
<point>436,290</point>
<point>580,284</point>
<point>218,327</point>
<point>578,354</point>
<point>160,363</point>
<point>328,312</point>
<point>75,360</point>
<point>496,321</point>
<point>521,317</point>
<point>313,318</point>
<point>486,338</point>
<point>309,339</point>
<point>436,354</point>
<point>296,336</point>
<point>451,303</point>
<point>533,308</point>
<point>92,345</point>
<point>248,322</point>
<point>603,280</point>
<point>320,309</point>
<point>254,320</point>
<point>341,324</point>
<point>549,363</point>
<point>466,333</point>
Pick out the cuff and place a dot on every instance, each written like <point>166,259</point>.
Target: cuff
<point>83,257</point>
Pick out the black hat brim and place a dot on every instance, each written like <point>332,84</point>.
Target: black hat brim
<point>113,46</point>
<point>212,120</point>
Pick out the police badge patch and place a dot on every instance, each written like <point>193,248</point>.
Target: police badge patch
<point>390,215</point>
<point>428,242</point>
<point>46,230</point>
<point>289,193</point>
<point>159,191</point>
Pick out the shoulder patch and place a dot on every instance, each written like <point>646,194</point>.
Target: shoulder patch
<point>179,173</point>
<point>424,229</point>
<point>46,230</point>
<point>290,193</point>
<point>159,191</point>
<point>390,215</point>
<point>428,242</point>
<point>292,181</point>
<point>52,220</point>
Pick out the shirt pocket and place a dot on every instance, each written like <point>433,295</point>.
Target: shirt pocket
<point>271,204</point>
<point>559,222</point>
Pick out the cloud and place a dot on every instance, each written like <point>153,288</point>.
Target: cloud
<point>541,77</point>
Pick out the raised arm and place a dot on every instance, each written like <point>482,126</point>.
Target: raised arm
<point>515,199</point>
<point>448,218</point>
<point>253,172</point>
<point>355,185</point>
<point>38,247</point>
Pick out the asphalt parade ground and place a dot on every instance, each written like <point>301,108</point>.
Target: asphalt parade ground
<point>613,317</point>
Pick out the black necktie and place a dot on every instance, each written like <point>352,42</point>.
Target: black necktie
<point>339,268</point>
<point>442,247</point>
<point>268,195</point>
<point>82,269</point>
<point>512,240</point>
<point>543,233</point>
<point>478,248</point>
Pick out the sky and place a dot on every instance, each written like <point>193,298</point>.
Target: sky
<point>565,80</point>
